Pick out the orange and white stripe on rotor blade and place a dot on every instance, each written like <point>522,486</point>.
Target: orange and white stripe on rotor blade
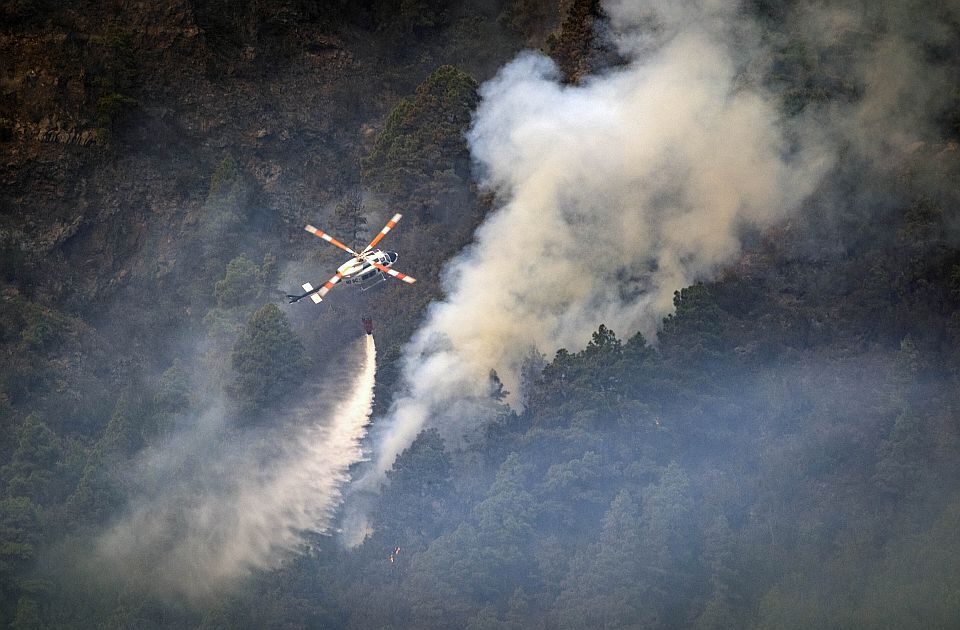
<point>392,223</point>
<point>393,272</point>
<point>313,296</point>
<point>329,284</point>
<point>321,234</point>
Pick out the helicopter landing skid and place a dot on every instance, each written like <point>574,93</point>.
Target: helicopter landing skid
<point>381,278</point>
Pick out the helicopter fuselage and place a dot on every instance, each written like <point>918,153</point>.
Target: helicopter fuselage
<point>367,267</point>
<point>359,270</point>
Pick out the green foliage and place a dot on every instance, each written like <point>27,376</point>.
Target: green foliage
<point>268,359</point>
<point>575,479</point>
<point>40,334</point>
<point>899,465</point>
<point>27,616</point>
<point>785,455</point>
<point>489,554</point>
<point>411,511</point>
<point>917,585</point>
<point>397,21</point>
<point>424,137</point>
<point>19,539</point>
<point>19,534</point>
<point>505,516</point>
<point>226,183</point>
<point>349,221</point>
<point>596,378</point>
<point>112,106</point>
<point>950,117</point>
<point>954,282</point>
<point>212,242</point>
<point>224,209</point>
<point>603,586</point>
<point>7,426</point>
<point>97,497</point>
<point>173,389</point>
<point>14,263</point>
<point>725,580</point>
<point>122,436</point>
<point>922,226</point>
<point>632,575</point>
<point>32,469</point>
<point>805,79</point>
<point>242,283</point>
<point>692,333</point>
<point>497,391</point>
<point>40,329</point>
<point>56,362</point>
<point>572,44</point>
<point>524,17</point>
<point>112,72</point>
<point>666,509</point>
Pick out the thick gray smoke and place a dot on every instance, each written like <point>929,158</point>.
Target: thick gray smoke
<point>888,50</point>
<point>222,510</point>
<point>900,55</point>
<point>613,194</point>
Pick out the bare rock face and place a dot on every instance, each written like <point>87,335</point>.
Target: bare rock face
<point>115,115</point>
<point>52,129</point>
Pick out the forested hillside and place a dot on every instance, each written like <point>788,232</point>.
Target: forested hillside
<point>781,449</point>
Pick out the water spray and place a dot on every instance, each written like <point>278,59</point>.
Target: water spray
<point>236,512</point>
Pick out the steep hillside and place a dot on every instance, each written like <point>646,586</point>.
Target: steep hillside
<point>779,451</point>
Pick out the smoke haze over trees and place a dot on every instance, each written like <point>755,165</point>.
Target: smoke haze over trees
<point>683,351</point>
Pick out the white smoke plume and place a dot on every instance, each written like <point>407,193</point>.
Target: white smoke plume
<point>614,194</point>
<point>243,508</point>
<point>885,47</point>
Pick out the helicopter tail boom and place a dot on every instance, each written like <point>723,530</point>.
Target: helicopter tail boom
<point>310,292</point>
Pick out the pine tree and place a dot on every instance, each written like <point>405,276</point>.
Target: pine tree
<point>349,222</point>
<point>268,359</point>
<point>899,463</point>
<point>32,470</point>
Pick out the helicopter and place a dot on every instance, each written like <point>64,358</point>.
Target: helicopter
<point>367,268</point>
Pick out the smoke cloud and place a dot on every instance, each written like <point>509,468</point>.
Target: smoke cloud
<point>220,511</point>
<point>614,194</point>
<point>888,52</point>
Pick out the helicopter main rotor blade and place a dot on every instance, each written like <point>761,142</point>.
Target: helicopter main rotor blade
<point>322,291</point>
<point>329,239</point>
<point>317,294</point>
<point>393,272</point>
<point>392,223</point>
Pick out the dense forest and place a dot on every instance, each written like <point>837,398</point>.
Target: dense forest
<point>761,428</point>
